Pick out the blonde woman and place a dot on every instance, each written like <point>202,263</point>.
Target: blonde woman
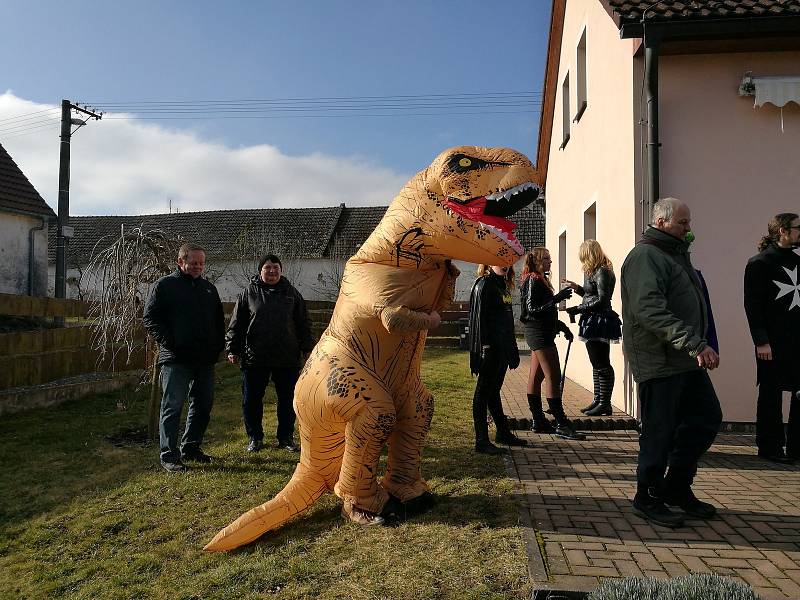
<point>493,349</point>
<point>599,326</point>
<point>540,317</point>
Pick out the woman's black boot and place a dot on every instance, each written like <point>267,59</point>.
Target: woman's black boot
<point>539,422</point>
<point>604,387</point>
<point>596,401</point>
<point>564,428</point>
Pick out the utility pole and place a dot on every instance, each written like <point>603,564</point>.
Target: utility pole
<point>64,231</point>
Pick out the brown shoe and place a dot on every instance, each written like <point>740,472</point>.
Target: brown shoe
<point>362,517</point>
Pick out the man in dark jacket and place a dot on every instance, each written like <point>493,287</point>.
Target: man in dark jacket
<point>270,336</point>
<point>772,304</point>
<point>665,322</point>
<point>184,315</point>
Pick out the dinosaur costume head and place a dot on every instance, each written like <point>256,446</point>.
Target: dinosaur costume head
<point>457,208</point>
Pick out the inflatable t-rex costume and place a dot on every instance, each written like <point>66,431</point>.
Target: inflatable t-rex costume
<point>361,386</point>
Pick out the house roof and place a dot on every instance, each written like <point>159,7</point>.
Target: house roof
<point>223,233</point>
<point>17,194</point>
<point>332,232</point>
<point>631,11</point>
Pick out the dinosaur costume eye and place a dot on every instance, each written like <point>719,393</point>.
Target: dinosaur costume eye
<point>461,163</point>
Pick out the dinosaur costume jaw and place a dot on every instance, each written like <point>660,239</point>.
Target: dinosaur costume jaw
<point>489,211</point>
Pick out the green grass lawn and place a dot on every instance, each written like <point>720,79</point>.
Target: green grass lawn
<point>83,518</point>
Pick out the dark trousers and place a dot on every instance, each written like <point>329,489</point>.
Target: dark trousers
<point>179,383</point>
<point>487,396</point>
<point>680,419</point>
<point>254,384</point>
<point>770,435</point>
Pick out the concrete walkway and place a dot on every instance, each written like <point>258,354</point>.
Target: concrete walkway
<point>580,527</point>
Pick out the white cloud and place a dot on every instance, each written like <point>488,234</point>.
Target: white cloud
<point>133,167</point>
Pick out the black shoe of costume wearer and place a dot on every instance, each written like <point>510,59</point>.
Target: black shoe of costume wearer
<point>288,445</point>
<point>173,466</point>
<point>509,439</point>
<point>653,509</point>
<point>776,457</point>
<point>591,406</point>
<point>393,512</point>
<point>487,447</point>
<point>690,504</point>
<point>195,455</point>
<point>255,446</point>
<point>603,409</point>
<point>423,503</point>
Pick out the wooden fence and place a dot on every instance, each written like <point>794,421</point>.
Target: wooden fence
<point>42,355</point>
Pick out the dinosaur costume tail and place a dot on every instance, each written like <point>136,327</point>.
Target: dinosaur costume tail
<point>304,488</point>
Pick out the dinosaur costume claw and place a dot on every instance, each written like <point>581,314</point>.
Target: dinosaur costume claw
<point>361,388</point>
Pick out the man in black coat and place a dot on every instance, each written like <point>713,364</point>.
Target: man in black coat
<point>270,336</point>
<point>772,304</point>
<point>184,315</point>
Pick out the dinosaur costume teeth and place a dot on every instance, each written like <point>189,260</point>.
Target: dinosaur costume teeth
<point>361,388</point>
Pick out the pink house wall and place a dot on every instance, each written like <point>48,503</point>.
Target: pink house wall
<point>735,169</point>
<point>729,161</point>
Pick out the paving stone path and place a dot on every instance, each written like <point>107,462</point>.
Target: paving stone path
<point>580,527</point>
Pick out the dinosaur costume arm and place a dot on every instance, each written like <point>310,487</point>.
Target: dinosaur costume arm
<point>398,319</point>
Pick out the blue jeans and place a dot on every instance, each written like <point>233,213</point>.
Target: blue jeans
<point>254,384</point>
<point>179,383</point>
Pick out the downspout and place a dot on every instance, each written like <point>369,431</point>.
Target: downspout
<point>651,48</point>
<point>31,259</point>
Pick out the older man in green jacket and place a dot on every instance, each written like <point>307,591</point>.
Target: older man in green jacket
<point>665,323</point>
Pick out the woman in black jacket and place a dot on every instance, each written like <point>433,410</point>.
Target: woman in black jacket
<point>269,335</point>
<point>540,317</point>
<point>599,326</point>
<point>493,349</point>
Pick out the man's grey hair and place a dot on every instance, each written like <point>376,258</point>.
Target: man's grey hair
<point>665,208</point>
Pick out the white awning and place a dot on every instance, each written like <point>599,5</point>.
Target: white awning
<point>777,90</point>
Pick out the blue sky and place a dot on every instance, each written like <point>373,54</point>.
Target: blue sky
<point>112,53</point>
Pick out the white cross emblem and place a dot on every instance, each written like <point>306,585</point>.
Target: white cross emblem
<point>785,288</point>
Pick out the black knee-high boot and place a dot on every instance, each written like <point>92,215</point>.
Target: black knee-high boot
<point>603,391</point>
<point>596,382</point>
<point>563,426</point>
<point>539,422</point>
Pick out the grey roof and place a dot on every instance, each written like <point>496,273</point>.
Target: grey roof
<point>330,232</point>
<point>629,11</point>
<point>225,234</point>
<point>17,194</point>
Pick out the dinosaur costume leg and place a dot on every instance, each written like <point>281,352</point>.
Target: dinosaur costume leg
<point>370,421</point>
<point>403,478</point>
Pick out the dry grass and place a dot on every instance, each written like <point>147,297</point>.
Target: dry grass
<point>82,518</point>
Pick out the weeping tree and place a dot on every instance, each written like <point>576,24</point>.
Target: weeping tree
<point>120,276</point>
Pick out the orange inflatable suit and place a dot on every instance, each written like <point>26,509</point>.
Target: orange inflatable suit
<point>361,387</point>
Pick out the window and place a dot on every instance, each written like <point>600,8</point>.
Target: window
<point>562,264</point>
<point>565,112</point>
<point>590,222</point>
<point>580,74</point>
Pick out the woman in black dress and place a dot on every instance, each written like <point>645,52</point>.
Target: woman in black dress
<point>599,326</point>
<point>540,317</point>
<point>493,349</point>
